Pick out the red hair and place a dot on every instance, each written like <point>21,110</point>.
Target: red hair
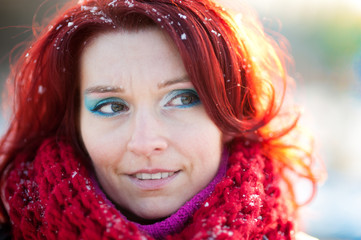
<point>238,71</point>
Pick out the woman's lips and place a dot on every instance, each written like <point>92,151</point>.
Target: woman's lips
<point>152,180</point>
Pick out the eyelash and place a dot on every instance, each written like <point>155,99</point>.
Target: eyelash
<point>110,103</point>
<point>106,106</point>
<point>178,94</point>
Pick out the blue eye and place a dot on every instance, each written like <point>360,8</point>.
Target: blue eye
<point>183,98</point>
<point>107,107</point>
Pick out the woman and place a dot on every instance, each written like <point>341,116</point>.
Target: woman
<point>150,119</point>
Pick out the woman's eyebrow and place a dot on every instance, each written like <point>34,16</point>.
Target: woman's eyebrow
<point>106,89</point>
<point>167,83</point>
<point>103,89</point>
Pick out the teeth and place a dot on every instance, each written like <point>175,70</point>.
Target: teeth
<point>155,176</point>
<point>146,176</point>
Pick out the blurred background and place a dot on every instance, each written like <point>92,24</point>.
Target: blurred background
<point>325,42</point>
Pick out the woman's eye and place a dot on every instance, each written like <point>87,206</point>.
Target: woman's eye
<point>184,98</point>
<point>109,107</point>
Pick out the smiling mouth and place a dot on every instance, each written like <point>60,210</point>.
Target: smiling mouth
<point>153,180</point>
<point>153,176</point>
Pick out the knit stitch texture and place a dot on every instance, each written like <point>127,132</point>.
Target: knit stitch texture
<point>54,196</point>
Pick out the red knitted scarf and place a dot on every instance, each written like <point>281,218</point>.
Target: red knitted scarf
<point>53,197</point>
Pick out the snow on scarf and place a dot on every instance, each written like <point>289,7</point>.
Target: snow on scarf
<point>55,197</point>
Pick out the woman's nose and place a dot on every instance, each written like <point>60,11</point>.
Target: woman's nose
<point>147,136</point>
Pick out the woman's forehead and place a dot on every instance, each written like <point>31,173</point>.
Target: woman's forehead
<point>115,58</point>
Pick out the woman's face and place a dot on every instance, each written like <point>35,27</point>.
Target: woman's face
<point>150,140</point>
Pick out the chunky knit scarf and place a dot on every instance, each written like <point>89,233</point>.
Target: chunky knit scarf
<point>55,196</point>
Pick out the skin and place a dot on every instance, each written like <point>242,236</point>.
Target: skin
<point>141,114</point>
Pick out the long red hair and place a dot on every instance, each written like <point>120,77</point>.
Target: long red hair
<point>238,71</point>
